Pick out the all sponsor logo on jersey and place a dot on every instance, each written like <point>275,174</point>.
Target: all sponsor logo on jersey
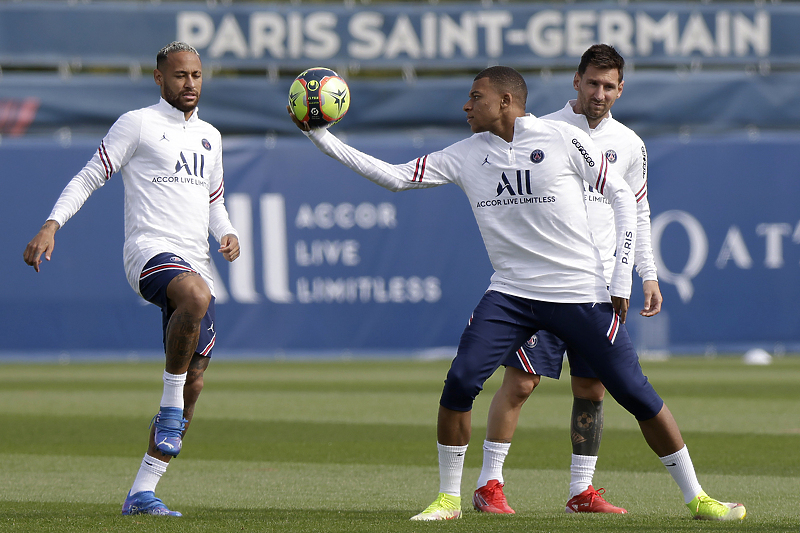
<point>592,196</point>
<point>194,167</point>
<point>611,156</point>
<point>504,184</point>
<point>583,152</point>
<point>515,191</point>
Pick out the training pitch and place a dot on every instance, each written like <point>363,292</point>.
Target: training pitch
<point>350,446</point>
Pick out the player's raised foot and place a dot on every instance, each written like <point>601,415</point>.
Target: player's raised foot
<point>490,499</point>
<point>145,502</point>
<point>703,507</point>
<point>444,507</point>
<point>591,501</point>
<point>169,423</point>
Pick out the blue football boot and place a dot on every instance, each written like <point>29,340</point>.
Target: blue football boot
<point>169,424</point>
<point>145,502</point>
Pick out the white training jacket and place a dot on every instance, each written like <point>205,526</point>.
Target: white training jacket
<point>172,171</point>
<point>527,197</point>
<point>626,153</point>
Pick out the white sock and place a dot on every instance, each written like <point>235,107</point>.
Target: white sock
<point>451,466</point>
<point>581,473</point>
<point>173,390</point>
<point>149,474</point>
<point>680,466</point>
<point>494,455</point>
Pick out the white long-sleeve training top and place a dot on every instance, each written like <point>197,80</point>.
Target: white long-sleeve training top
<point>527,197</point>
<point>172,172</point>
<point>626,153</point>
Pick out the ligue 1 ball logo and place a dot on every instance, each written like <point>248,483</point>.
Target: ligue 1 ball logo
<point>319,97</point>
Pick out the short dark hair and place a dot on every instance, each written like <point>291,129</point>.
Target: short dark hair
<point>601,56</point>
<point>174,46</point>
<point>506,79</point>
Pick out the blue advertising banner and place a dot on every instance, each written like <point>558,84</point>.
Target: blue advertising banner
<point>333,263</point>
<point>425,35</point>
<point>726,230</point>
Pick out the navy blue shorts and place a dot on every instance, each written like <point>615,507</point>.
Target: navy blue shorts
<point>501,323</point>
<point>543,354</point>
<point>156,275</point>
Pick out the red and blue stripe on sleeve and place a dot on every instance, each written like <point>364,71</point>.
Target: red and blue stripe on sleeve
<point>109,167</point>
<point>216,195</point>
<point>419,171</point>
<point>600,184</point>
<point>642,194</point>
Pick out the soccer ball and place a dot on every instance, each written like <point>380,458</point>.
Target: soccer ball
<point>319,97</point>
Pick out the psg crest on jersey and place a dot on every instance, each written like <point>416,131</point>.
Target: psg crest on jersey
<point>611,156</point>
<point>206,144</point>
<point>537,156</point>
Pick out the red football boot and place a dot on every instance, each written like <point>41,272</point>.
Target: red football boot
<point>490,499</point>
<point>591,501</point>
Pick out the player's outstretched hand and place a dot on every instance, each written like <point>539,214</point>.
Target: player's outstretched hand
<point>42,243</point>
<point>620,307</point>
<point>229,247</point>
<point>302,125</point>
<point>652,298</point>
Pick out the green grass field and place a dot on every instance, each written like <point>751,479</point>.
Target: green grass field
<point>350,446</point>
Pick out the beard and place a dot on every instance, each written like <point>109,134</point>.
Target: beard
<point>174,100</point>
<point>594,112</point>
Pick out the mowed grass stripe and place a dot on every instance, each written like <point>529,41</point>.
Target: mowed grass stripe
<point>269,484</point>
<point>63,493</point>
<point>545,410</point>
<point>720,377</point>
<point>389,444</point>
<point>720,395</point>
<point>26,518</point>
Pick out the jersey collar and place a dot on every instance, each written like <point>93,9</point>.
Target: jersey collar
<point>175,113</point>
<point>521,124</point>
<point>577,119</point>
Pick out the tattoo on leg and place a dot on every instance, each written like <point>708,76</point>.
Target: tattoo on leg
<point>184,275</point>
<point>197,366</point>
<point>587,426</point>
<point>194,384</point>
<point>183,331</point>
